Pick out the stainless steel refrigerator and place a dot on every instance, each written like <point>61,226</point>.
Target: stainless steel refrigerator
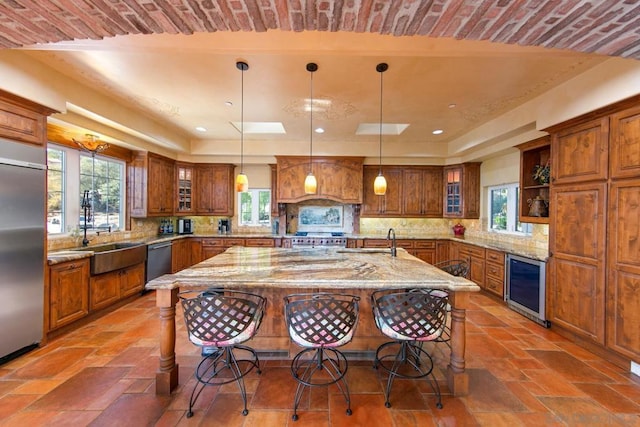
<point>22,228</point>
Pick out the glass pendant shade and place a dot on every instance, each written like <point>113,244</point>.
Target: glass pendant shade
<point>242,183</point>
<point>380,185</point>
<point>310,184</point>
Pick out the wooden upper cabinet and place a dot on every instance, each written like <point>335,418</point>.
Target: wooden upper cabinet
<point>532,154</point>
<point>389,205</point>
<point>23,120</point>
<point>184,186</point>
<point>625,143</point>
<point>339,178</point>
<point>214,189</point>
<point>579,152</point>
<point>422,192</point>
<point>150,182</point>
<point>462,191</point>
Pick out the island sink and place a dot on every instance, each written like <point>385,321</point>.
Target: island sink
<point>115,256</point>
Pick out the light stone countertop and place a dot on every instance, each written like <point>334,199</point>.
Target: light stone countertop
<point>327,268</point>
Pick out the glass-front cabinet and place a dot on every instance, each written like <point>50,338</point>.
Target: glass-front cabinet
<point>462,191</point>
<point>184,186</point>
<point>453,192</point>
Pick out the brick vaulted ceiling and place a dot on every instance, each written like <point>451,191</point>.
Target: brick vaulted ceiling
<point>173,61</point>
<point>584,26</point>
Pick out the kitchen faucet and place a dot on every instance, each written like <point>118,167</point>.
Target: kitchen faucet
<point>391,234</point>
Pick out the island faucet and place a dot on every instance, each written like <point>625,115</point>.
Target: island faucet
<point>391,234</point>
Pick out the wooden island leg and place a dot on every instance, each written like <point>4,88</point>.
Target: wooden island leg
<point>167,375</point>
<point>457,378</point>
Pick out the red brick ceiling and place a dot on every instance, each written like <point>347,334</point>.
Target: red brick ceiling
<point>609,27</point>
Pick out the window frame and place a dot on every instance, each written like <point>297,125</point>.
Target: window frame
<point>73,192</point>
<point>513,225</point>
<point>255,208</point>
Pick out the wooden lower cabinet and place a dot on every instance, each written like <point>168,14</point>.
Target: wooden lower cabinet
<point>180,255</point>
<point>475,256</point>
<point>425,250</point>
<point>68,292</point>
<point>443,251</point>
<point>494,272</point>
<point>108,288</point>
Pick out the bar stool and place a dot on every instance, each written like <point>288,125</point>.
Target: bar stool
<point>410,318</point>
<point>219,321</point>
<point>320,323</point>
<point>455,267</point>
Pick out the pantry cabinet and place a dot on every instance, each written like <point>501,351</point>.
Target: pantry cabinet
<point>68,292</point>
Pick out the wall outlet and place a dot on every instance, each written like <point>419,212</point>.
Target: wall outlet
<point>635,368</point>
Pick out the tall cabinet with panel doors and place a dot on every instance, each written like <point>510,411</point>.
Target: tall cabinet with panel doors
<point>150,185</point>
<point>594,239</point>
<point>214,189</point>
<point>462,191</point>
<point>422,192</point>
<point>389,205</point>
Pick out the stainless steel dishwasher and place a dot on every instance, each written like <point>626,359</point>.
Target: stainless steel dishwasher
<point>158,259</point>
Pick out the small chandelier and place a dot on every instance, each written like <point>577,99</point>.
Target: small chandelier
<point>91,143</point>
<point>380,183</point>
<point>310,182</point>
<point>242,182</point>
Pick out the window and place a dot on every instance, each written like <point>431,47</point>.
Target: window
<point>503,210</point>
<point>255,207</point>
<point>103,178</point>
<point>55,190</point>
<point>70,174</point>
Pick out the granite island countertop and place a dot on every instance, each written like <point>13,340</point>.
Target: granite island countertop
<point>326,268</point>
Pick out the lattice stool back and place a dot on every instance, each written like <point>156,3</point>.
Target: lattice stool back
<point>409,318</point>
<point>222,320</point>
<point>320,323</point>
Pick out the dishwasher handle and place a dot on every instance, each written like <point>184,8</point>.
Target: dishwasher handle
<point>159,246</point>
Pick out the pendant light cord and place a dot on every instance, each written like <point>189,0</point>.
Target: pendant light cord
<point>381,68</point>
<point>311,119</point>
<point>242,120</point>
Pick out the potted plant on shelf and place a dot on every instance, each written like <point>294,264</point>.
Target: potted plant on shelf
<point>542,173</point>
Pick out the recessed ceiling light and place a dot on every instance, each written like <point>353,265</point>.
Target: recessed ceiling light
<point>437,131</point>
<point>229,104</point>
<point>201,129</point>
<point>319,130</point>
<point>452,105</point>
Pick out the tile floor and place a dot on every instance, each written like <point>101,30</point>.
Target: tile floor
<point>520,375</point>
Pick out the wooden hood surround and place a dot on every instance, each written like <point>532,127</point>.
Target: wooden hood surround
<point>339,178</point>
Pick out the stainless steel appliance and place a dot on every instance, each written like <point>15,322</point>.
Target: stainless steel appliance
<point>318,240</point>
<point>158,259</point>
<point>185,226</point>
<point>224,226</point>
<point>526,287</point>
<point>22,252</point>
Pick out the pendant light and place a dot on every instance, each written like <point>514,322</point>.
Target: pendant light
<point>242,182</point>
<point>380,183</point>
<point>310,183</point>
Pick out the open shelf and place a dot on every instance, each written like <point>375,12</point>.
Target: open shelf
<point>536,152</point>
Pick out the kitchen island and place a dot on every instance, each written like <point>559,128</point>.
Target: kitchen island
<point>276,272</point>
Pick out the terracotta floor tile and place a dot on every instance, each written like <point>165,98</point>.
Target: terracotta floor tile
<point>14,403</point>
<point>454,413</point>
<point>483,318</point>
<point>549,384</point>
<point>367,410</point>
<point>37,386</point>
<point>521,391</point>
<point>80,391</point>
<point>133,410</point>
<point>498,419</point>
<point>568,366</point>
<point>412,418</point>
<point>582,412</point>
<point>226,411</point>
<point>49,366</point>
<point>609,398</point>
<point>488,394</point>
